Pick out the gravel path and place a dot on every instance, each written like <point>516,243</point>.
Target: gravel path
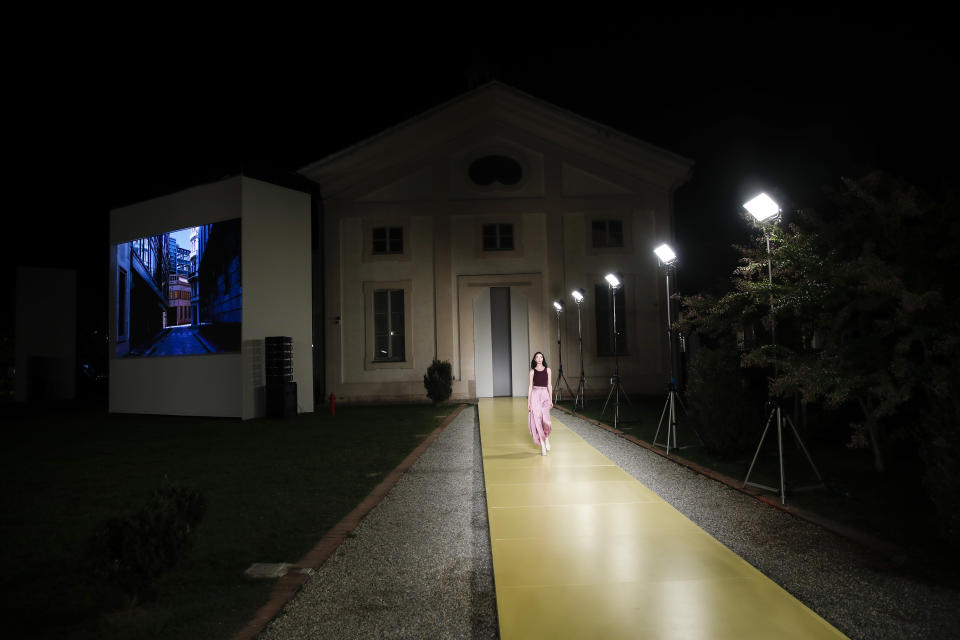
<point>419,565</point>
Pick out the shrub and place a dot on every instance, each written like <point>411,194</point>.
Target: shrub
<point>940,451</point>
<point>133,551</point>
<point>725,404</point>
<point>439,381</point>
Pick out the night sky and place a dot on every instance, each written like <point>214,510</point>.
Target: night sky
<point>105,119</point>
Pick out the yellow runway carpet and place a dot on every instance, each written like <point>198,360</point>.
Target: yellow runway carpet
<point>582,550</point>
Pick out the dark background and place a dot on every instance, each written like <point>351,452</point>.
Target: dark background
<point>102,117</point>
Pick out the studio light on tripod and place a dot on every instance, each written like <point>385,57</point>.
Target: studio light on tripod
<point>578,297</point>
<point>668,260</point>
<point>561,379</point>
<point>764,209</point>
<point>616,387</point>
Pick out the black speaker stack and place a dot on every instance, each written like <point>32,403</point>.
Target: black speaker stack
<point>281,389</point>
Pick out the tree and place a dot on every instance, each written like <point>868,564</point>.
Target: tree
<point>854,322</point>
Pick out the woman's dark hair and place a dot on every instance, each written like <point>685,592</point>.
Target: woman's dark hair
<point>533,362</point>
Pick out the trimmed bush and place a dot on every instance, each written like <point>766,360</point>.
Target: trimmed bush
<point>439,381</point>
<point>724,403</point>
<point>133,551</point>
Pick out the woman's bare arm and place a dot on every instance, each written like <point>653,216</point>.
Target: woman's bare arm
<point>550,385</point>
<point>530,390</point>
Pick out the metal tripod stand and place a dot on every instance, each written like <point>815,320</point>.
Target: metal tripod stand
<point>580,385</point>
<point>775,409</point>
<point>673,396</point>
<point>616,388</point>
<point>782,490</point>
<point>557,391</point>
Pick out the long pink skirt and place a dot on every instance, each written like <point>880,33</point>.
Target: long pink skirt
<point>539,417</point>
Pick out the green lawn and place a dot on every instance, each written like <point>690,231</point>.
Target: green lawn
<point>272,488</point>
<point>889,506</point>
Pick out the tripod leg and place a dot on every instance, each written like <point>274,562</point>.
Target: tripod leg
<point>757,453</point>
<point>660,423</point>
<point>804,447</point>
<point>673,419</point>
<point>625,395</point>
<point>616,407</point>
<point>610,393</point>
<point>783,473</point>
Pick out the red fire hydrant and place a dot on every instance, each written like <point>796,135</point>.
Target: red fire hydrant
<point>333,404</point>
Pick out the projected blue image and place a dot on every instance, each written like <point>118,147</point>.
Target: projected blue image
<point>179,293</point>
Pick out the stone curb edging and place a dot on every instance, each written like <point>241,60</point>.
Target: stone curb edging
<point>871,542</point>
<point>288,586</point>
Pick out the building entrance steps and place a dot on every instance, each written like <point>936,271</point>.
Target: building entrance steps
<point>583,550</point>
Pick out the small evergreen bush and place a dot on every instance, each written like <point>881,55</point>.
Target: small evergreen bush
<point>439,381</point>
<point>133,551</point>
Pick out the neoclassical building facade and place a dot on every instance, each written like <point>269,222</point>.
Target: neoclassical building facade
<point>450,235</point>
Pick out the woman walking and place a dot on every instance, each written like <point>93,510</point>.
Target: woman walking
<point>539,403</point>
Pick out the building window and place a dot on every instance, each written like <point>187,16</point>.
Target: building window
<point>498,237</point>
<point>388,330</point>
<point>387,240</point>
<point>604,316</point>
<point>607,234</point>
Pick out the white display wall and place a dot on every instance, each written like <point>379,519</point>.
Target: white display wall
<point>276,284</point>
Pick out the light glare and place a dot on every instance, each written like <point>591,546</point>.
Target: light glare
<point>665,253</point>
<point>762,207</point>
<point>558,305</point>
<point>612,280</point>
<point>577,295</point>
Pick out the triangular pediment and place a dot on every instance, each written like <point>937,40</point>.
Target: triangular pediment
<point>577,182</point>
<point>495,109</point>
<point>411,187</point>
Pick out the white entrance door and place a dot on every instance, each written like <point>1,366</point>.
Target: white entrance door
<point>501,342</point>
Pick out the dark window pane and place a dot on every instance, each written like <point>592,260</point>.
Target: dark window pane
<point>602,312</point>
<point>398,346</point>
<point>396,240</point>
<point>621,316</point>
<point>380,310</point>
<point>381,347</point>
<point>388,321</point>
<point>379,246</point>
<point>615,233</point>
<point>604,320</point>
<point>497,237</point>
<point>599,234</point>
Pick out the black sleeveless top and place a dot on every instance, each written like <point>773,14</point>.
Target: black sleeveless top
<point>540,378</point>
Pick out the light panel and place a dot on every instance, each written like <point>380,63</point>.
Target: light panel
<point>665,253</point>
<point>578,295</point>
<point>762,207</point>
<point>612,280</point>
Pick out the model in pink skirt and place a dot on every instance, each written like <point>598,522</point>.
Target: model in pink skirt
<point>539,403</point>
